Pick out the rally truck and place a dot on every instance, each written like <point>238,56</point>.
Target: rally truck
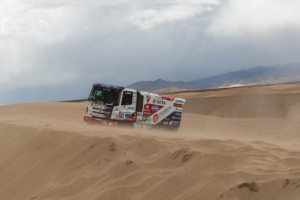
<point>115,105</point>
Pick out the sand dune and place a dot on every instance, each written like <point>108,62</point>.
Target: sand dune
<point>240,143</point>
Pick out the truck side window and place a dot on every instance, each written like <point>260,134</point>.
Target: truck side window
<point>127,98</point>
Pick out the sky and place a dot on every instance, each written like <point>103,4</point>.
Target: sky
<point>56,49</point>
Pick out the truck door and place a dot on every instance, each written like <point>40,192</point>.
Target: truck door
<point>127,108</point>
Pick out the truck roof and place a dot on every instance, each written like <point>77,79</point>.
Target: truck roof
<point>109,86</point>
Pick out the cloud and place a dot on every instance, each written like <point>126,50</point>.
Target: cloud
<point>48,21</point>
<point>41,21</point>
<point>169,12</point>
<point>239,18</point>
<point>65,44</point>
<point>37,38</point>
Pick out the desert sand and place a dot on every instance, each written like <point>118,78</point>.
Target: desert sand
<point>238,144</point>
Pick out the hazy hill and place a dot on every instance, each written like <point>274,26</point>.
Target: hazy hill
<point>253,76</point>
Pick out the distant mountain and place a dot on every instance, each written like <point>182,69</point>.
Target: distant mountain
<point>168,90</point>
<point>253,76</point>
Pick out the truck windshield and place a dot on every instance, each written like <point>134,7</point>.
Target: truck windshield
<point>105,95</point>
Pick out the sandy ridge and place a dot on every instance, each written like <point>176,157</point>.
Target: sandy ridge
<point>48,152</point>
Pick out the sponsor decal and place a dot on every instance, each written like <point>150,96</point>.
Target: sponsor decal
<point>179,101</point>
<point>155,118</point>
<point>158,101</point>
<point>148,98</point>
<point>139,117</point>
<point>178,109</point>
<point>177,105</point>
<point>155,108</point>
<point>121,115</point>
<point>131,108</point>
<point>150,109</point>
<point>144,118</point>
<point>167,98</point>
<point>127,114</point>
